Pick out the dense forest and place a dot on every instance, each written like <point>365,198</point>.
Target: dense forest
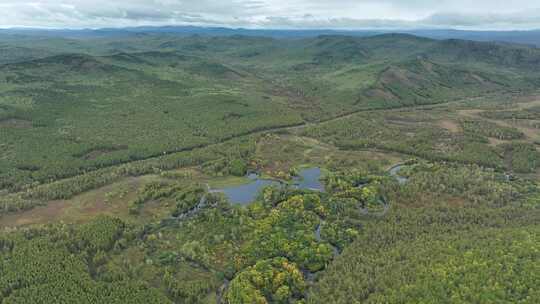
<point>118,156</point>
<point>472,238</point>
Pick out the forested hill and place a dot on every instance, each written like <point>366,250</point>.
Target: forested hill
<point>93,103</point>
<point>399,169</point>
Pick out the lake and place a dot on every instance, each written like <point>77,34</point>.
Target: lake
<point>309,179</point>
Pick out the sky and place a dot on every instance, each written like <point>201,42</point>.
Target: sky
<point>275,14</point>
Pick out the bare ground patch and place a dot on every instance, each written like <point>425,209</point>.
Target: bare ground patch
<point>527,102</point>
<point>494,142</point>
<point>16,123</point>
<point>111,200</point>
<point>473,113</point>
<point>531,133</point>
<point>38,215</point>
<point>450,125</point>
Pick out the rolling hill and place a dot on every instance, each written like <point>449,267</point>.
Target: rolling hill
<point>96,108</point>
<point>372,169</point>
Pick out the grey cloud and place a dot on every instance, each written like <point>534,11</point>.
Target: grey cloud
<point>521,19</point>
<point>340,14</point>
<point>335,23</point>
<point>79,13</point>
<point>524,20</point>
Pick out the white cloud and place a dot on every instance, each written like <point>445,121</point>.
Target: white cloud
<point>349,14</point>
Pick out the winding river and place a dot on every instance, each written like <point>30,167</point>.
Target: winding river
<point>394,171</point>
<point>308,179</point>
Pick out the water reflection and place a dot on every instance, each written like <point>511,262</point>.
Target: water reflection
<point>309,179</point>
<point>245,194</point>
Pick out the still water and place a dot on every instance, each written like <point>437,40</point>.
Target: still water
<point>309,179</point>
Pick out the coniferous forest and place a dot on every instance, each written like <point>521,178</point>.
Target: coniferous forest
<point>160,168</point>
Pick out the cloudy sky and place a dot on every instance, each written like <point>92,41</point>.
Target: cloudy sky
<point>304,14</point>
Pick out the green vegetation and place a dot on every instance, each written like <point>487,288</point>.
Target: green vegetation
<point>254,286</point>
<point>146,129</point>
<point>522,157</point>
<point>270,250</point>
<point>434,262</point>
<point>485,128</point>
<point>238,167</point>
<point>58,265</point>
<point>415,133</point>
<point>447,239</point>
<point>91,107</point>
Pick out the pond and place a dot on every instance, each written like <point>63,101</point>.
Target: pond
<point>309,179</point>
<point>245,194</point>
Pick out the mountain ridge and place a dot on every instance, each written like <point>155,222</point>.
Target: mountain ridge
<point>526,37</point>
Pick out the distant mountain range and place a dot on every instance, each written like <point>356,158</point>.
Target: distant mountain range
<point>521,37</point>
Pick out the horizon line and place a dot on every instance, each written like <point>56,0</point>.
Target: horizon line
<point>47,28</point>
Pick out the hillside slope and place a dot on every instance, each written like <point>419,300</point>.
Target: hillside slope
<point>82,111</point>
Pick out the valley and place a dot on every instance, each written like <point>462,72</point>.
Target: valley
<point>236,169</point>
